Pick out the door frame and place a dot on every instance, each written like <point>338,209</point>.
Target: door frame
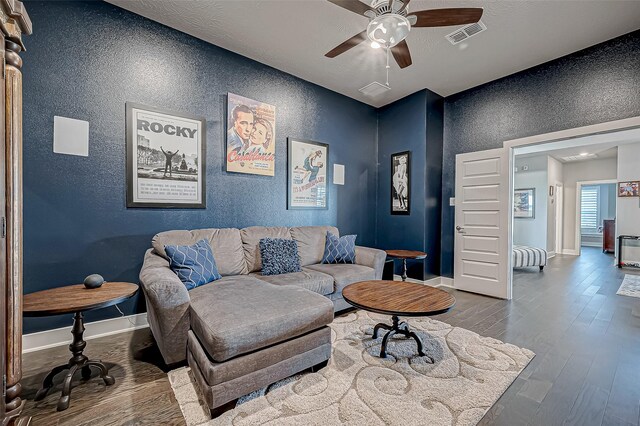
<point>579,185</point>
<point>512,144</point>
<point>559,196</point>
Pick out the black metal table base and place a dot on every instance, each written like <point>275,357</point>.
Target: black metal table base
<point>77,362</point>
<point>398,327</point>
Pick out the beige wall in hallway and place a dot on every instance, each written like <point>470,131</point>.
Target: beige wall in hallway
<point>580,171</point>
<point>627,221</point>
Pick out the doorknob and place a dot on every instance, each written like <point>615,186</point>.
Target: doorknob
<point>460,229</point>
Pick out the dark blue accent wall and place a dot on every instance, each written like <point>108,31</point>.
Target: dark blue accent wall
<point>594,85</point>
<point>84,61</point>
<point>414,124</point>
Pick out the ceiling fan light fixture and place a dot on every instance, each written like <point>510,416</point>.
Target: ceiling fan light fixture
<point>388,30</point>
<point>375,45</point>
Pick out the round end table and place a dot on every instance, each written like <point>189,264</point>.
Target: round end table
<point>404,255</point>
<point>75,299</point>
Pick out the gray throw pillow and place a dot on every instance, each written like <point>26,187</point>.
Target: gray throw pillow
<point>279,256</point>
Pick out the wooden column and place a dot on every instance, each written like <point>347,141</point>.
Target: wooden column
<point>15,23</point>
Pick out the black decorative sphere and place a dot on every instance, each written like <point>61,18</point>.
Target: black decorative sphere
<point>93,281</point>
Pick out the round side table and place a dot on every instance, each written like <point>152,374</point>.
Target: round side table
<point>75,299</point>
<point>404,255</point>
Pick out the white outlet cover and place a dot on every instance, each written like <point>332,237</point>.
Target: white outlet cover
<point>70,136</point>
<point>452,201</point>
<point>338,174</point>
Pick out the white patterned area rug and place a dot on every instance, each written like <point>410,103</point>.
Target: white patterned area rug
<point>630,286</point>
<point>358,388</point>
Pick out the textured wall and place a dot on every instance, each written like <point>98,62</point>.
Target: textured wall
<point>84,61</point>
<point>402,127</point>
<point>598,84</point>
<point>414,124</point>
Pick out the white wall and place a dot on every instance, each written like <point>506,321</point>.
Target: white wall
<point>532,232</point>
<point>628,214</point>
<point>555,176</point>
<point>581,171</point>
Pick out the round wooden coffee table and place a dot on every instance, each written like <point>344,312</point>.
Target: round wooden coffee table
<point>397,298</point>
<point>404,255</point>
<point>75,299</point>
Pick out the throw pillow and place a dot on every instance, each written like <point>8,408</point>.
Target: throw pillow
<point>339,250</point>
<point>279,256</point>
<point>194,265</point>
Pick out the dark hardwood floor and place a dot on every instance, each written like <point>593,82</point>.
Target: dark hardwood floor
<point>586,370</point>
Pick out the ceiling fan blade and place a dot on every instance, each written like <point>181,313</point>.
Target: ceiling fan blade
<point>348,44</point>
<point>355,6</point>
<point>446,17</point>
<point>401,54</point>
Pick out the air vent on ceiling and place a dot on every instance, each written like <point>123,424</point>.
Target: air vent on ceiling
<point>466,32</point>
<point>374,89</point>
<point>578,157</point>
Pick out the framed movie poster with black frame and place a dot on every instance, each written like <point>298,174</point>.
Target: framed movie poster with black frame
<point>307,174</point>
<point>401,183</point>
<point>165,158</point>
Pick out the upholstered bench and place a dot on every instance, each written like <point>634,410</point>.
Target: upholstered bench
<point>524,256</point>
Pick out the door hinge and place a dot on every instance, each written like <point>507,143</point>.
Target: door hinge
<point>4,227</point>
<point>4,386</point>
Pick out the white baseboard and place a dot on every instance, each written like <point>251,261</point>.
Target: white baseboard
<point>62,336</point>
<point>570,252</point>
<point>433,282</point>
<point>592,244</point>
<point>551,254</point>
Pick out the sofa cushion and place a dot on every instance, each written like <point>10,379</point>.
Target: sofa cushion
<point>340,250</point>
<point>226,246</point>
<point>194,264</point>
<point>279,256</point>
<point>311,242</point>
<point>251,239</point>
<point>345,274</point>
<point>242,314</point>
<point>311,280</point>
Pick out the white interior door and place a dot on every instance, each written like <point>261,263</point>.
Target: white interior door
<point>559,217</point>
<point>483,221</point>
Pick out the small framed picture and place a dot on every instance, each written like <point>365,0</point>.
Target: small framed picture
<point>524,203</point>
<point>401,183</point>
<point>628,189</point>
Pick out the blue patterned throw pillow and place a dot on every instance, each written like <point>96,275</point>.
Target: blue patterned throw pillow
<point>279,256</point>
<point>194,265</point>
<point>339,250</point>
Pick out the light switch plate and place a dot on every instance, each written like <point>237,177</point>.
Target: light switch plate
<point>452,201</point>
<point>338,174</point>
<point>70,136</point>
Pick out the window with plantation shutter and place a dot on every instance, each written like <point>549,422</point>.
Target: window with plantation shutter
<point>589,208</point>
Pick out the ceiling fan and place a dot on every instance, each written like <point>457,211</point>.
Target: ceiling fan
<point>390,23</point>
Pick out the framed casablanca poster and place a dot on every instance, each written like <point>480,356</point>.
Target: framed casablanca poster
<point>251,136</point>
<point>401,183</point>
<point>165,158</point>
<point>307,177</point>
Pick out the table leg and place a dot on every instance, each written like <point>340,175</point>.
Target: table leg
<point>78,361</point>
<point>404,269</point>
<point>398,328</point>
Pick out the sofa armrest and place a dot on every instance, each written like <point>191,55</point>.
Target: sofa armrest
<point>373,258</point>
<point>168,304</point>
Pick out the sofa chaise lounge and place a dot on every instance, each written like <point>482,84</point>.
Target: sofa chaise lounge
<point>245,330</point>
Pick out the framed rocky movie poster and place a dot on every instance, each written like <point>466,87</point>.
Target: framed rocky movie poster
<point>401,183</point>
<point>307,177</point>
<point>165,158</point>
<point>251,136</point>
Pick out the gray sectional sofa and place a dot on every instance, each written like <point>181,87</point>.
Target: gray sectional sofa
<point>246,331</point>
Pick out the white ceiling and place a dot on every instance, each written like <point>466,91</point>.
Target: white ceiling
<point>603,145</point>
<point>294,35</point>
